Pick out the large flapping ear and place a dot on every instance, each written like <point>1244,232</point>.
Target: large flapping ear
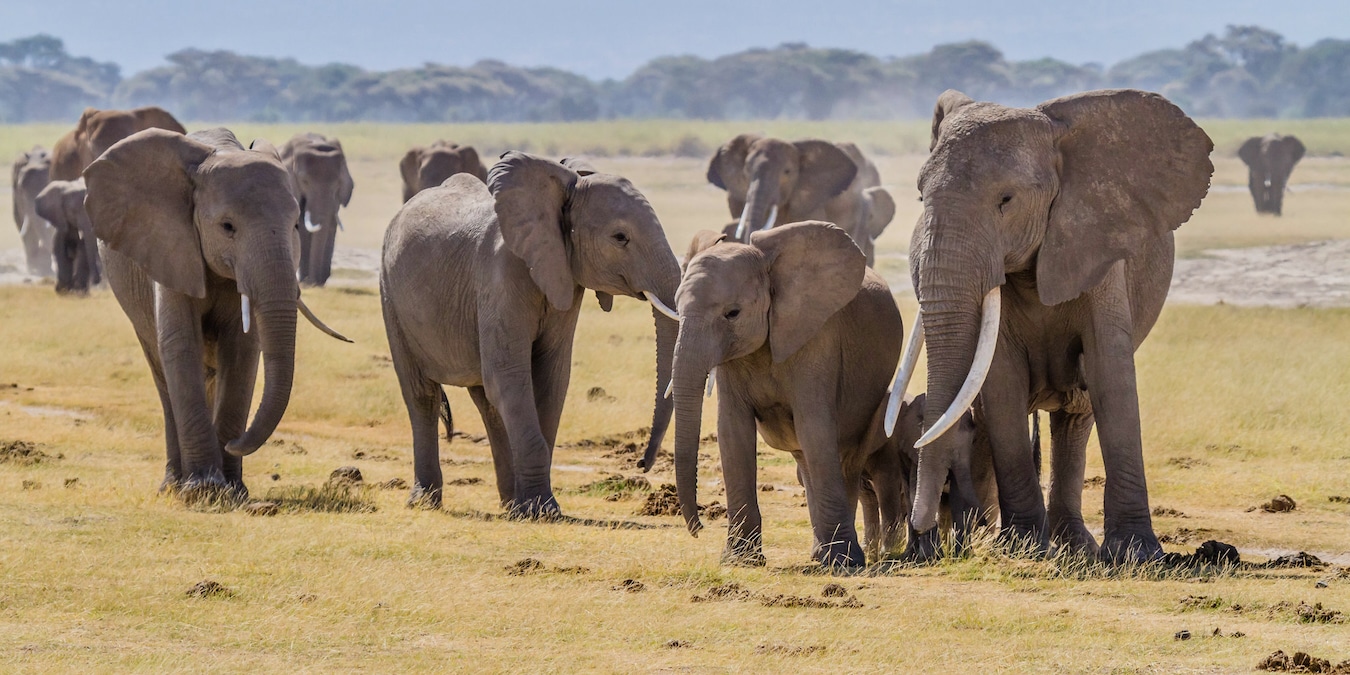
<point>345,183</point>
<point>702,241</point>
<point>948,102</point>
<point>880,210</point>
<point>408,167</point>
<point>1250,152</point>
<point>530,193</point>
<point>140,202</point>
<point>155,117</point>
<point>1295,147</point>
<point>265,146</point>
<point>581,165</point>
<point>727,168</point>
<point>50,205</point>
<point>824,170</point>
<point>814,270</point>
<point>472,163</point>
<point>1133,166</point>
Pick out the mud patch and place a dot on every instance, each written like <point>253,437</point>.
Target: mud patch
<point>734,592</point>
<point>1296,560</point>
<point>1280,504</point>
<point>1209,554</point>
<point>616,487</point>
<point>345,476</point>
<point>1163,512</point>
<point>1184,535</point>
<point>1301,662</point>
<point>23,453</point>
<point>209,589</point>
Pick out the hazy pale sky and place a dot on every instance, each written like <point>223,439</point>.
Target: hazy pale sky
<point>611,38</point>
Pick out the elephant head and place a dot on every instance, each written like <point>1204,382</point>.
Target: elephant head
<point>200,211</point>
<point>424,167</point>
<point>772,294</point>
<point>75,248</point>
<point>768,180</point>
<point>98,130</point>
<point>1270,159</point>
<point>323,185</point>
<point>31,173</point>
<point>1061,192</point>
<point>575,227</point>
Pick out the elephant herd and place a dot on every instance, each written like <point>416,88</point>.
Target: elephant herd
<point>1041,261</point>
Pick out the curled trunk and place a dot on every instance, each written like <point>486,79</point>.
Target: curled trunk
<point>760,199</point>
<point>275,310</point>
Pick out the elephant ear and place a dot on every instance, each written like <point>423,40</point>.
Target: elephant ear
<point>140,202</point>
<point>1250,152</point>
<point>529,195</point>
<point>582,166</point>
<point>472,163</point>
<point>824,170</point>
<point>727,168</point>
<point>704,240</point>
<point>407,167</point>
<point>155,117</point>
<point>605,299</point>
<point>264,146</point>
<point>948,102</point>
<point>50,205</point>
<point>1133,166</point>
<point>345,183</point>
<point>1296,148</point>
<point>814,270</point>
<point>880,210</point>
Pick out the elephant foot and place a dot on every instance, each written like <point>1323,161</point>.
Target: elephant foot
<point>1072,536</point>
<point>744,551</point>
<point>1135,547</point>
<point>923,547</point>
<point>420,497</point>
<point>171,484</point>
<point>540,507</point>
<point>1025,536</point>
<point>841,556</point>
<point>211,488</point>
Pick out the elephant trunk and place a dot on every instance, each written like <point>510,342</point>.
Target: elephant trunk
<point>667,331</point>
<point>275,309</point>
<point>761,208</point>
<point>322,211</point>
<point>690,373</point>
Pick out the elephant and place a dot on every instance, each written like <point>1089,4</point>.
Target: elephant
<point>75,248</point>
<point>1270,159</point>
<point>98,130</point>
<point>770,181</point>
<point>32,171</point>
<point>482,286</point>
<point>428,166</point>
<point>199,242</point>
<point>800,332</point>
<point>1065,214</point>
<point>323,184</point>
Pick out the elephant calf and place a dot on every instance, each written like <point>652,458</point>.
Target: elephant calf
<point>801,333</point>
<point>323,185</point>
<point>428,166</point>
<point>1270,159</point>
<point>32,171</point>
<point>75,248</point>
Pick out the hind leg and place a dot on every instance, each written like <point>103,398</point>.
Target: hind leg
<point>422,397</point>
<point>500,442</point>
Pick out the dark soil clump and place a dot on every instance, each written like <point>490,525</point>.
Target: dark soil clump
<point>209,589</point>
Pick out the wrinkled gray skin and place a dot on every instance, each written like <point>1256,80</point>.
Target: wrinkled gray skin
<point>97,130</point>
<point>75,248</point>
<point>482,286</point>
<point>323,185</point>
<point>806,180</point>
<point>428,166</point>
<point>802,336</point>
<point>189,224</point>
<point>1069,209</point>
<point>32,171</point>
<point>1270,159</point>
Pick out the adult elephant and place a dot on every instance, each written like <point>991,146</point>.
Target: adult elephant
<point>75,248</point>
<point>481,288</point>
<point>770,181</point>
<point>428,166</point>
<point>98,130</point>
<point>1270,159</point>
<point>199,237</point>
<point>323,185</point>
<point>801,333</point>
<point>31,173</point>
<point>1064,213</point>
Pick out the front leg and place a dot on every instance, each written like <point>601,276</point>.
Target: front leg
<point>1004,402</point>
<point>736,444</point>
<point>237,355</point>
<point>508,381</point>
<point>832,501</point>
<point>1069,434</point>
<point>179,333</point>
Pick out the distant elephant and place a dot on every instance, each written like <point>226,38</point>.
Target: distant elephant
<point>32,171</point>
<point>1270,159</point>
<point>75,248</point>
<point>199,241</point>
<point>801,333</point>
<point>769,181</point>
<point>323,185</point>
<point>481,288</point>
<point>1065,214</point>
<point>98,130</point>
<point>428,166</point>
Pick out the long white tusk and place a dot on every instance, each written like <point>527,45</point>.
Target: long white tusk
<point>661,306</point>
<point>245,310</point>
<point>304,310</point>
<point>908,360</point>
<point>740,226</point>
<point>979,369</point>
<point>340,227</point>
<point>773,216</point>
<point>23,229</point>
<point>310,226</point>
<point>670,387</point>
<point>712,377</point>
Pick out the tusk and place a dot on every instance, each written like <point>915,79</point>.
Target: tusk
<point>319,324</point>
<point>712,377</point>
<point>340,227</point>
<point>908,361</point>
<point>661,306</point>
<point>23,229</point>
<point>979,369</point>
<point>740,227</point>
<point>773,216</point>
<point>310,226</point>
<point>245,311</point>
<point>670,386</point>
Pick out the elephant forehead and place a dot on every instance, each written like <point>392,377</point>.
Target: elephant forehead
<point>724,273</point>
<point>248,183</point>
<point>612,196</point>
<point>978,149</point>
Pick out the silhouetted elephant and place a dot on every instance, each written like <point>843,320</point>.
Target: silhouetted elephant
<point>1270,159</point>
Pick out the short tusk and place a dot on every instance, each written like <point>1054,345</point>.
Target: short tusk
<point>670,387</point>
<point>979,369</point>
<point>340,227</point>
<point>310,226</point>
<point>908,361</point>
<point>712,377</point>
<point>773,217</point>
<point>23,229</point>
<point>319,324</point>
<point>245,311</point>
<point>661,306</point>
<point>740,226</point>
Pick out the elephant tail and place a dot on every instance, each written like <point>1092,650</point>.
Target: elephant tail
<point>446,417</point>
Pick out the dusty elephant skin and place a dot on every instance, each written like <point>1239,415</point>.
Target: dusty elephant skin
<point>323,185</point>
<point>481,288</point>
<point>801,333</point>
<point>31,173</point>
<point>771,181</point>
<point>428,166</point>
<point>199,236</point>
<point>98,130</point>
<point>74,248</point>
<point>1045,248</point>
<point>1270,159</point>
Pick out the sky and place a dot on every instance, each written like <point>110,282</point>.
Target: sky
<point>612,38</point>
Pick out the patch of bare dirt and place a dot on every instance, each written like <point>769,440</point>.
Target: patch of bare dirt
<point>1184,535</point>
<point>1301,662</point>
<point>616,487</point>
<point>1295,560</point>
<point>209,589</point>
<point>1280,504</point>
<point>24,453</point>
<point>734,592</point>
<point>1163,512</point>
<point>1315,274</point>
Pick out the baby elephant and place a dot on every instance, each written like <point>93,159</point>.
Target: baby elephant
<point>74,248</point>
<point>802,335</point>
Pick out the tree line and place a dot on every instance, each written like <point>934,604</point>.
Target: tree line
<point>1246,72</point>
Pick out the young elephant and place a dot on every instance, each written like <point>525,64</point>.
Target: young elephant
<point>32,171</point>
<point>801,333</point>
<point>425,167</point>
<point>323,185</point>
<point>75,249</point>
<point>482,286</point>
<point>199,238</point>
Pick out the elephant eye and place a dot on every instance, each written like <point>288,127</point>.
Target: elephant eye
<point>621,238</point>
<point>1004,202</point>
<point>733,313</point>
<point>228,227</point>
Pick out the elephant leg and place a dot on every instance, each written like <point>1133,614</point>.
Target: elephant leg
<point>871,510</point>
<point>736,444</point>
<point>306,243</point>
<point>1004,401</point>
<point>325,258</point>
<point>500,443</point>
<point>181,352</point>
<point>91,261</point>
<point>173,464</point>
<point>1069,434</point>
<point>832,501</point>
<point>887,479</point>
<point>422,398</point>
<point>511,391</point>
<point>237,358</point>
<point>79,281</point>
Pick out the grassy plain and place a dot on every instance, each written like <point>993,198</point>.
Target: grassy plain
<point>1239,405</point>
